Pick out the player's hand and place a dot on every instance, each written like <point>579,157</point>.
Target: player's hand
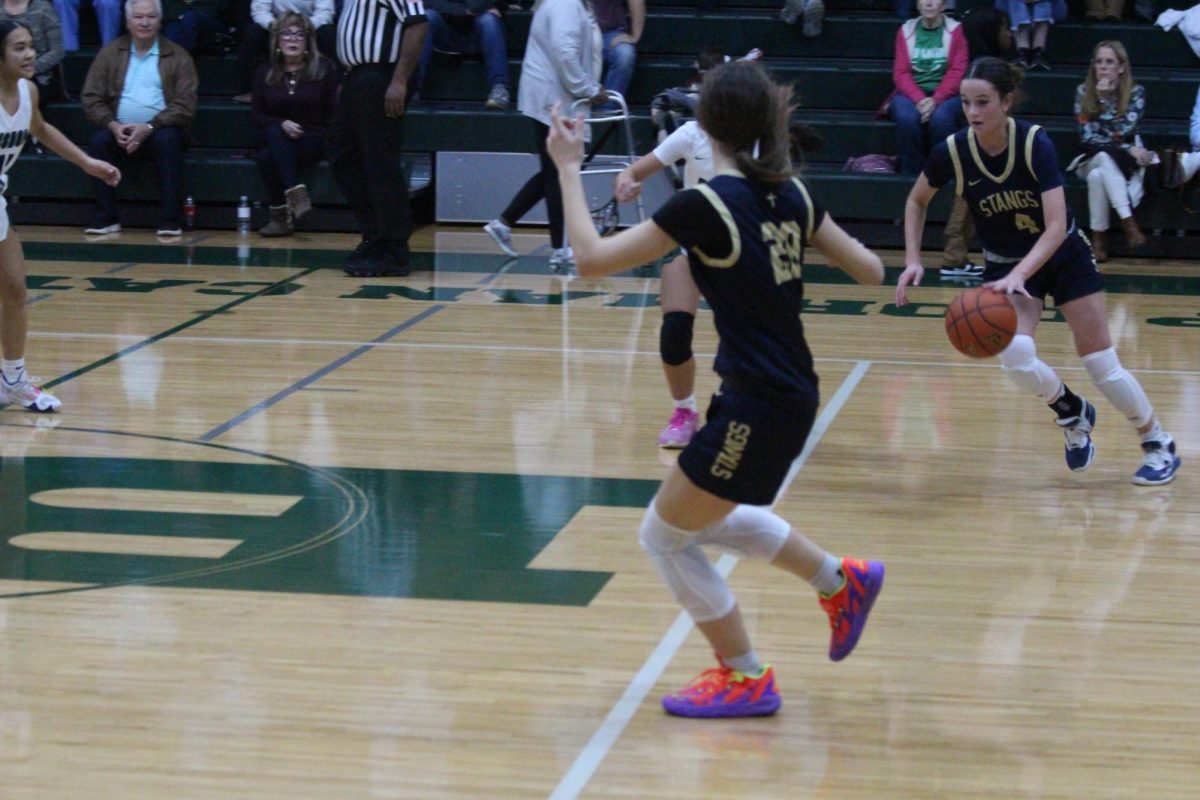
<point>625,188</point>
<point>912,275</point>
<point>102,170</point>
<point>565,142</point>
<point>393,99</point>
<point>1012,283</point>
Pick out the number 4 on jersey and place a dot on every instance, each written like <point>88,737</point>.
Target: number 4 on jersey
<point>1025,222</point>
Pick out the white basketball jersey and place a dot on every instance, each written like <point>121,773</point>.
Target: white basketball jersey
<point>14,131</point>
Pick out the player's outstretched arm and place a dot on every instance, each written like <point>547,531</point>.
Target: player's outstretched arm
<point>848,253</point>
<point>914,230</point>
<point>53,138</point>
<point>595,256</point>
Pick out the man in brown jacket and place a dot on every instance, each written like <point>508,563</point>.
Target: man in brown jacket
<point>141,93</point>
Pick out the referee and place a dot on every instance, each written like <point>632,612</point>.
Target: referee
<point>379,42</point>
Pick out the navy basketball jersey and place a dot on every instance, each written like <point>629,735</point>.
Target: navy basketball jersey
<point>14,131</point>
<point>1004,192</point>
<point>745,245</point>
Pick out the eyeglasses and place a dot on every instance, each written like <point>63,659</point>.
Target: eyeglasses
<point>291,33</point>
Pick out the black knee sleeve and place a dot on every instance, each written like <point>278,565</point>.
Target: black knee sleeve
<point>675,337</point>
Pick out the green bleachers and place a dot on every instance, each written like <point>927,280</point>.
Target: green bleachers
<point>841,78</point>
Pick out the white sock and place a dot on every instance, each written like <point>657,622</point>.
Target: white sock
<point>829,577</point>
<point>14,370</point>
<point>1155,434</point>
<point>688,402</point>
<point>746,663</point>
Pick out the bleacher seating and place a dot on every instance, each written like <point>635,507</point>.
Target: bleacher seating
<point>841,78</point>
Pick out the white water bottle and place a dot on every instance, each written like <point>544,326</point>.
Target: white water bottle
<point>243,215</point>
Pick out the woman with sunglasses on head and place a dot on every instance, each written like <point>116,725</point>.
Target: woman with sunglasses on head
<point>295,94</point>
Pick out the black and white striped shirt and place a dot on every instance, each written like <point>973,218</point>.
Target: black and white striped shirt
<point>368,31</point>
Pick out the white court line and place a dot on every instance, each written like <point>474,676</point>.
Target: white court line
<point>954,361</point>
<point>594,752</point>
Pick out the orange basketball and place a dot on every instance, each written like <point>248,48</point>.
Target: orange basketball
<point>980,323</point>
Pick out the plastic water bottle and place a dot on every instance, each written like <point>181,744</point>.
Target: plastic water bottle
<point>243,215</point>
<point>189,213</point>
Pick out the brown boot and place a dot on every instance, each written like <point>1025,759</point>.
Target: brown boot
<point>1100,246</point>
<point>298,202</point>
<point>1133,234</point>
<point>280,224</point>
<point>1094,10</point>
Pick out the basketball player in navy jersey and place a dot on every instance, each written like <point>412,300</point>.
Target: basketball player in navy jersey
<point>19,119</point>
<point>745,232</point>
<point>1007,171</point>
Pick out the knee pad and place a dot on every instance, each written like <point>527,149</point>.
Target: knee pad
<point>675,337</point>
<point>694,582</point>
<point>749,531</point>
<point>1122,389</point>
<point>1027,371</point>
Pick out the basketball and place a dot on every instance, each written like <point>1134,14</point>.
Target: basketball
<point>980,323</point>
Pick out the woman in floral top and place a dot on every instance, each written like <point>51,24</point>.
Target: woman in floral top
<point>1109,107</point>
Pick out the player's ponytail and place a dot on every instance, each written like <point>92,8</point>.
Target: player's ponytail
<point>1004,76</point>
<point>747,113</point>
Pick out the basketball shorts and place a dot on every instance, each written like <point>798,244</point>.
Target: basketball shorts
<point>748,443</point>
<point>1071,273</point>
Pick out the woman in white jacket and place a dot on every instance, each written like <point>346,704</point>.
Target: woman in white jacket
<point>562,64</point>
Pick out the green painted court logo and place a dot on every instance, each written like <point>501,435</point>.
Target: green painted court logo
<point>253,522</point>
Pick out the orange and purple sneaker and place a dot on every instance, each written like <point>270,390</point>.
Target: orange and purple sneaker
<point>849,606</point>
<point>724,692</point>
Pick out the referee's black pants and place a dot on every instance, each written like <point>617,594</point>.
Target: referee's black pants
<point>363,145</point>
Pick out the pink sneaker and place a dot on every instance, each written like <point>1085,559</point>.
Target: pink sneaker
<point>680,430</point>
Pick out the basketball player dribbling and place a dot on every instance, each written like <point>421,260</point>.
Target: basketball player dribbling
<point>745,232</point>
<point>20,119</point>
<point>1007,171</point>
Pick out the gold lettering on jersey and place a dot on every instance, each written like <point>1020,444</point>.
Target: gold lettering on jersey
<point>1008,200</point>
<point>727,462</point>
<point>786,247</point>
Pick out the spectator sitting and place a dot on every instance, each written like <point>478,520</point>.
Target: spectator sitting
<point>141,93</point>
<point>42,21</point>
<point>1179,168</point>
<point>194,25</point>
<point>931,59</point>
<point>1031,23</point>
<point>294,99</point>
<point>108,17</point>
<point>253,50</point>
<point>1109,107</point>
<point>621,24</point>
<point>472,27</point>
<point>812,12</point>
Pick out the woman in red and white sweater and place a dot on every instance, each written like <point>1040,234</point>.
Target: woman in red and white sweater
<point>931,59</point>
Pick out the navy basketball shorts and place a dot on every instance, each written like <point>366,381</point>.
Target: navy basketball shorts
<point>1071,273</point>
<point>747,445</point>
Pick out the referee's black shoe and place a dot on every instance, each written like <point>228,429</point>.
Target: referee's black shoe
<point>377,260</point>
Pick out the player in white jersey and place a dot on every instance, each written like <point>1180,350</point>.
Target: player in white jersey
<point>678,295</point>
<point>20,119</point>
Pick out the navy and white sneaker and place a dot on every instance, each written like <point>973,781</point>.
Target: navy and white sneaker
<point>967,269</point>
<point>1159,462</point>
<point>1079,449</point>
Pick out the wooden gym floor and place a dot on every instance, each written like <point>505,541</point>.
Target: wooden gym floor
<point>298,535</point>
